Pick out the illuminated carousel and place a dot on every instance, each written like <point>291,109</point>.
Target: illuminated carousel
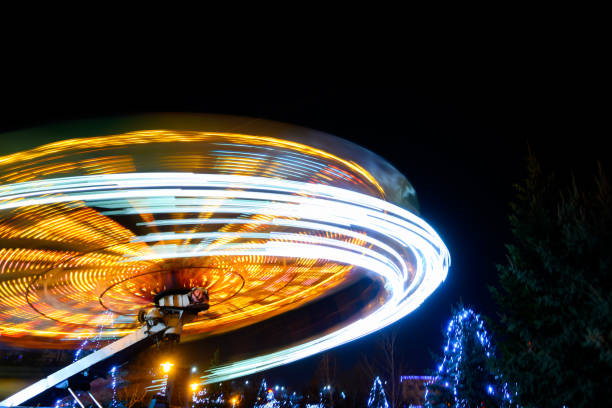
<point>266,219</point>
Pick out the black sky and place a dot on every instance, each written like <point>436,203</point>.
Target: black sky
<point>459,132</point>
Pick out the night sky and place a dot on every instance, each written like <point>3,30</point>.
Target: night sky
<point>460,134</point>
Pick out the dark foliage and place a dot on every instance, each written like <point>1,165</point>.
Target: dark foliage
<point>555,291</point>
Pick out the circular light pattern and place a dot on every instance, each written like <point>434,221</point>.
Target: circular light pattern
<point>93,228</point>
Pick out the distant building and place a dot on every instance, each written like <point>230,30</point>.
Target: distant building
<point>413,389</point>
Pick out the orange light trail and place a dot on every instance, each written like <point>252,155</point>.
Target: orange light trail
<point>62,264</point>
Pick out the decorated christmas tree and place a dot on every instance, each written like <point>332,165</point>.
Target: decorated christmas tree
<point>377,398</point>
<point>467,376</point>
<point>265,397</point>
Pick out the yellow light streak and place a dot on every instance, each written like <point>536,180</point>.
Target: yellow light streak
<point>64,264</point>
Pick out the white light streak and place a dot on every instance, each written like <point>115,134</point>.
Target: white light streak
<point>400,247</point>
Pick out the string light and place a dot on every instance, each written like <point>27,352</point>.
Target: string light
<point>113,373</point>
<point>463,324</point>
<point>377,392</point>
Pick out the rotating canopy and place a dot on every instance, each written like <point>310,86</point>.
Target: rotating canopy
<point>267,217</point>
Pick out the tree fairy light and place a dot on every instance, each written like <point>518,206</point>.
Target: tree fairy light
<point>94,227</point>
<point>467,375</point>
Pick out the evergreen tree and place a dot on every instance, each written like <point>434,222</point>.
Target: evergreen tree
<point>466,376</point>
<point>265,397</point>
<point>262,394</point>
<point>555,292</point>
<point>377,398</point>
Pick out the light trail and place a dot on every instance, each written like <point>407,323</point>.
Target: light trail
<point>310,222</point>
<point>93,228</point>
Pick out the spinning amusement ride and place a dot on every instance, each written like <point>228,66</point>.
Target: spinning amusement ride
<point>197,226</point>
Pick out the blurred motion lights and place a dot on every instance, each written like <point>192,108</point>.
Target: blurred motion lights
<point>92,229</point>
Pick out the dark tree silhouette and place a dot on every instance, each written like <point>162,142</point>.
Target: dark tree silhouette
<point>555,291</point>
